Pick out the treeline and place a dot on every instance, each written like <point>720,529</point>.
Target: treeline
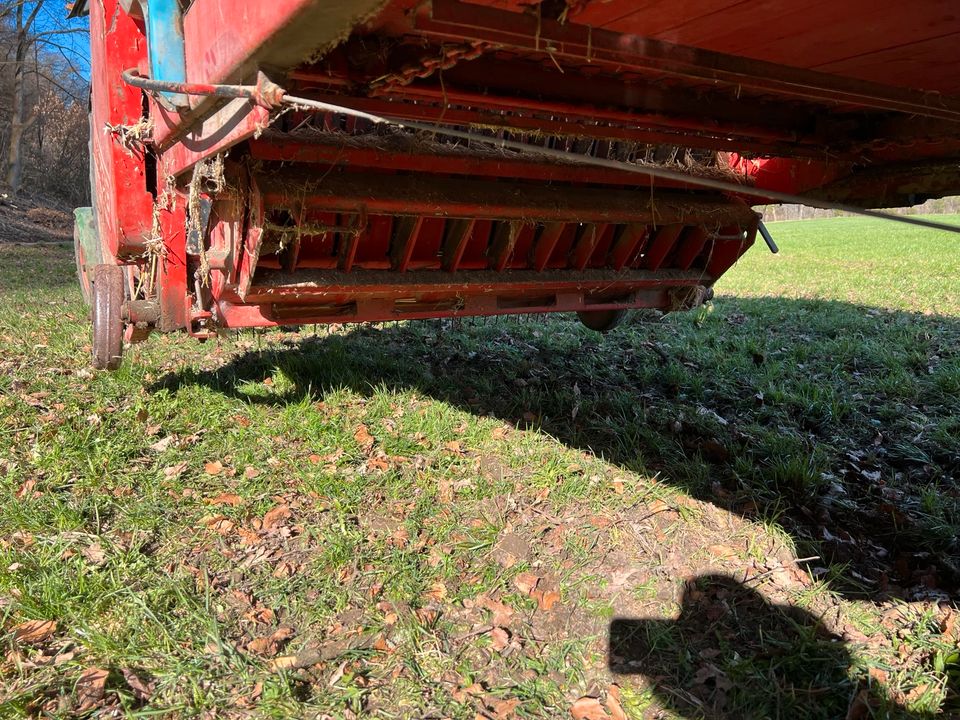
<point>939,206</point>
<point>44,99</point>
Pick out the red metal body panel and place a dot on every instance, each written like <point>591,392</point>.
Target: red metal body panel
<point>123,202</point>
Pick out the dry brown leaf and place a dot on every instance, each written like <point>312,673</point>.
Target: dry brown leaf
<point>445,492</point>
<point>400,537</point>
<point>948,623</point>
<point>462,694</point>
<point>613,703</point>
<point>213,468</point>
<point>142,689</point>
<point>263,646</point>
<point>175,471</point>
<point>226,499</point>
<point>437,591</point>
<point>454,446</point>
<point>502,613</point>
<point>504,709</point>
<point>162,444</point>
<point>526,582</point>
<point>94,554</point>
<point>284,570</point>
<point>378,464</point>
<point>275,518</point>
<point>499,638</point>
<point>90,688</point>
<point>250,472</point>
<point>657,506</point>
<point>34,631</point>
<point>546,600</point>
<point>588,708</point>
<point>363,436</point>
<point>285,662</point>
<point>218,523</point>
<point>860,707</point>
<point>723,552</point>
<point>26,489</point>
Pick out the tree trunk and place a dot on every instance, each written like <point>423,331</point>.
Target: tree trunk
<point>20,123</point>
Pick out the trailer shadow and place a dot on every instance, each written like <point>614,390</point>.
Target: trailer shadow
<point>840,422</point>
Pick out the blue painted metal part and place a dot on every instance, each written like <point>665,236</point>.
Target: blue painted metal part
<point>165,45</point>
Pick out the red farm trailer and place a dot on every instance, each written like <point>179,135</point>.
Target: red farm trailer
<point>285,162</point>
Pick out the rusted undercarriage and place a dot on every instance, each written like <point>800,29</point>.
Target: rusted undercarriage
<point>237,213</point>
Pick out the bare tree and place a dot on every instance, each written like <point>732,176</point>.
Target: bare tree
<point>32,23</point>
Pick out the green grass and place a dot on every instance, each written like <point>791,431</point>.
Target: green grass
<point>340,522</point>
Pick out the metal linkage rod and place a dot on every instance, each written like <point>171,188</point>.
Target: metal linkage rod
<point>265,93</point>
<point>270,95</point>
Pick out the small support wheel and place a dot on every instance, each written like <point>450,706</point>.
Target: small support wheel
<point>108,281</point>
<point>601,320</point>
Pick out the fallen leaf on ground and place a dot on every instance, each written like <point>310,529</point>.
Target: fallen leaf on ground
<point>213,468</point>
<point>175,471</point>
<point>454,446</point>
<point>502,613</point>
<point>588,708</point>
<point>275,517</point>
<point>377,464</point>
<point>162,444</point>
<point>613,703</point>
<point>499,638</point>
<point>226,499</point>
<point>26,489</point>
<point>269,645</point>
<point>461,695</point>
<point>526,582</point>
<point>724,552</point>
<point>34,631</point>
<point>546,600</point>
<point>94,554</point>
<point>218,523</point>
<point>142,689</point>
<point>363,436</point>
<point>657,506</point>
<point>437,591</point>
<point>504,709</point>
<point>90,688</point>
<point>400,537</point>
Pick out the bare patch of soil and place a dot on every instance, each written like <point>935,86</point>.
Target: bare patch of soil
<point>26,219</point>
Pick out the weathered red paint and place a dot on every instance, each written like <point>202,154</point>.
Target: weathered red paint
<point>119,173</point>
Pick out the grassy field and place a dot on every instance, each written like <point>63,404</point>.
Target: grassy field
<point>747,511</point>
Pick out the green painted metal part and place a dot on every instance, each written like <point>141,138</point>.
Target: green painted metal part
<point>85,232</point>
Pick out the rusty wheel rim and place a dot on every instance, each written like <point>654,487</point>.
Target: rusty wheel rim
<point>108,281</point>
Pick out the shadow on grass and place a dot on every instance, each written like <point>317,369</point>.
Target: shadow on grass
<point>730,653</point>
<point>839,422</point>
